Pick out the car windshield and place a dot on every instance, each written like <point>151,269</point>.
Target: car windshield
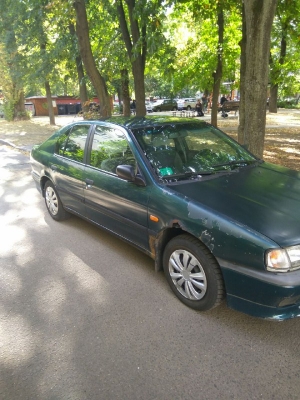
<point>187,150</point>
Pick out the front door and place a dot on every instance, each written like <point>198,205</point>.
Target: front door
<point>111,202</point>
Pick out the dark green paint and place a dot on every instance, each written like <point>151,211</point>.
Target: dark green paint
<point>237,214</point>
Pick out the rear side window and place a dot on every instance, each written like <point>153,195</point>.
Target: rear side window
<point>71,145</point>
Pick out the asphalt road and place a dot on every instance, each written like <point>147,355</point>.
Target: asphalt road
<point>84,316</point>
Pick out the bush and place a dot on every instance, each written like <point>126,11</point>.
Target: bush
<point>8,108</point>
<point>288,103</point>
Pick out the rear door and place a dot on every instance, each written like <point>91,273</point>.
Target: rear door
<point>68,166</point>
<point>111,202</point>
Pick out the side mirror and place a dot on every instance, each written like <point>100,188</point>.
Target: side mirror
<point>127,172</point>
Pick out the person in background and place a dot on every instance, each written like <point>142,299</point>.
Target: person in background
<point>133,107</point>
<point>198,108</point>
<point>223,99</point>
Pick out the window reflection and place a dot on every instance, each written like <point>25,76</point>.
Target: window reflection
<point>72,143</point>
<point>190,148</point>
<point>75,143</point>
<point>110,149</point>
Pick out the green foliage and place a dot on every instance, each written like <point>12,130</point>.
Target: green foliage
<point>8,108</point>
<point>193,24</point>
<point>284,66</point>
<point>289,103</point>
<point>181,41</point>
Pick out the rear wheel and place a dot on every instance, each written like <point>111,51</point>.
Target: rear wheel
<point>174,109</point>
<point>189,108</point>
<point>193,273</point>
<point>54,204</point>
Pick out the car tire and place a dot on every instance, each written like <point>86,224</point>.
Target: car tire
<point>158,109</point>
<point>189,108</point>
<point>193,273</point>
<point>54,204</point>
<point>174,109</point>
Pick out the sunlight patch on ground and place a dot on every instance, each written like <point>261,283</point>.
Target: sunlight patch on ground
<point>290,150</point>
<point>270,153</point>
<point>10,237</point>
<point>281,117</point>
<point>23,182</point>
<point>88,280</point>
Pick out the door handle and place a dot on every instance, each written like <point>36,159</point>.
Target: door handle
<point>89,183</point>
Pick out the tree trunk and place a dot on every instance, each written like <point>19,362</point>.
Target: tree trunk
<point>242,108</point>
<point>136,49</point>
<point>258,18</point>
<point>217,75</point>
<point>19,108</point>
<point>49,102</point>
<point>274,74</point>
<point>82,31</point>
<point>273,98</point>
<point>125,92</point>
<point>139,87</point>
<point>83,94</point>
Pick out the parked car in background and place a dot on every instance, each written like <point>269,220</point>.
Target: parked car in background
<point>187,103</point>
<point>220,222</point>
<point>149,106</point>
<point>164,105</point>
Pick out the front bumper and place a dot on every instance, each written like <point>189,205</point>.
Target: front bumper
<point>262,294</point>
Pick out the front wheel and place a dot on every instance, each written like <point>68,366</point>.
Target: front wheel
<point>192,273</point>
<point>54,204</point>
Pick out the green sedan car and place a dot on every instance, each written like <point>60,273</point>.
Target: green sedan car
<point>222,224</point>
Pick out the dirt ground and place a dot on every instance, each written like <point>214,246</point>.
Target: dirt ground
<point>282,141</point>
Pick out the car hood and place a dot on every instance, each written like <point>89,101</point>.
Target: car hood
<point>265,198</point>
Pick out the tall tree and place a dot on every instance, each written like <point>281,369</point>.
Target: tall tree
<point>140,22</point>
<point>285,36</point>
<point>83,93</point>
<point>134,35</point>
<point>13,63</point>
<point>98,81</point>
<point>210,55</point>
<point>258,18</point>
<point>218,73</point>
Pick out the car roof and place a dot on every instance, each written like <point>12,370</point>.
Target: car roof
<point>141,122</point>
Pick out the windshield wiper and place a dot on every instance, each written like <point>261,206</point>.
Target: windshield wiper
<point>236,162</point>
<point>191,174</point>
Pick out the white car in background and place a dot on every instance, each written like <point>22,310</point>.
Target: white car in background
<point>149,105</point>
<point>188,103</point>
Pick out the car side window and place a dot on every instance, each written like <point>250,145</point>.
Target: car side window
<point>61,143</point>
<point>110,148</point>
<point>72,144</point>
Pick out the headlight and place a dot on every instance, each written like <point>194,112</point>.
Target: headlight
<point>283,260</point>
